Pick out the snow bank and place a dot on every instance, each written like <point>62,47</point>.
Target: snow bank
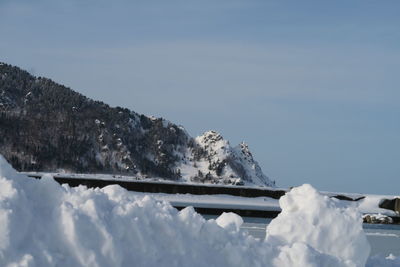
<point>321,222</point>
<point>44,224</point>
<point>230,221</point>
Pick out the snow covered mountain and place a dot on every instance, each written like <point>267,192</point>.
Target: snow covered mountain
<point>213,158</point>
<point>48,127</point>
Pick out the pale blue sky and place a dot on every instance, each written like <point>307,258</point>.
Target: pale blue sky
<point>311,86</point>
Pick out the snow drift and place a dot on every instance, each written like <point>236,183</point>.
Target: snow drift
<point>45,224</point>
<point>325,224</point>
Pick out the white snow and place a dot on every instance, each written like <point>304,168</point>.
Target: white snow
<point>377,218</point>
<point>238,164</point>
<point>230,221</point>
<point>216,201</point>
<point>370,204</point>
<point>45,224</point>
<point>382,234</point>
<point>323,222</point>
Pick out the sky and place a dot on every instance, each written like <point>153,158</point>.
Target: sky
<point>311,86</point>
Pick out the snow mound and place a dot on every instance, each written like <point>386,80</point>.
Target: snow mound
<point>310,218</point>
<point>45,224</point>
<point>230,221</point>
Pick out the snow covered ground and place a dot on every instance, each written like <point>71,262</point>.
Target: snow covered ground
<point>368,205</point>
<point>383,238</point>
<point>45,224</point>
<point>365,206</point>
<point>216,201</point>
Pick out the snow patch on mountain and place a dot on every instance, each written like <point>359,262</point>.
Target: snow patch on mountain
<point>214,160</point>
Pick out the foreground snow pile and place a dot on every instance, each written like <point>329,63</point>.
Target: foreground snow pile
<point>324,224</point>
<point>44,224</point>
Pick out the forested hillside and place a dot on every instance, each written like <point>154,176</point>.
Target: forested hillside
<point>45,126</point>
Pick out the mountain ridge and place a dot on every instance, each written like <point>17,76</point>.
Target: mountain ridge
<point>48,127</point>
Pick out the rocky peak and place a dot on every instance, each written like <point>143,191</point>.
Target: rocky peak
<point>245,151</point>
<point>211,137</point>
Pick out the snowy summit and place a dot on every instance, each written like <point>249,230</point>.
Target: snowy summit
<point>213,156</point>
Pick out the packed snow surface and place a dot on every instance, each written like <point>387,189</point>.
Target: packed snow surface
<point>45,224</point>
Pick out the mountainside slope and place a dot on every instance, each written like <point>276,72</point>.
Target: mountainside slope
<point>48,127</point>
